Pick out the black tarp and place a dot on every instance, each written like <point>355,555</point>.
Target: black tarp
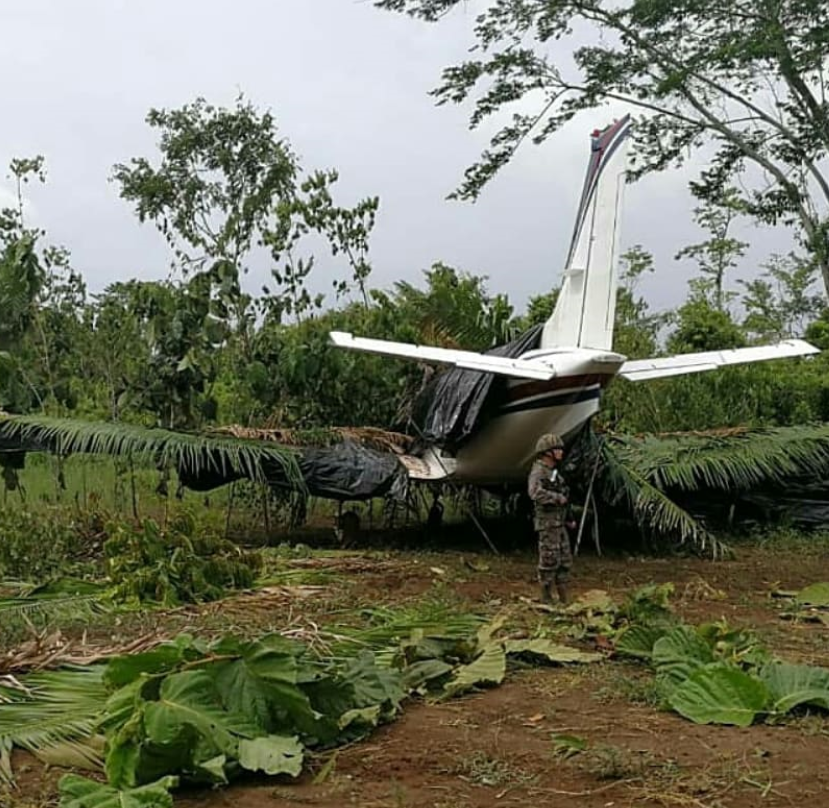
<point>346,471</point>
<point>457,402</point>
<point>800,502</point>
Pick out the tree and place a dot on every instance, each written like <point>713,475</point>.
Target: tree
<point>746,77</point>
<point>702,327</point>
<point>227,188</point>
<point>42,300</point>
<point>636,330</point>
<point>21,272</point>
<point>636,335</point>
<point>455,310</point>
<point>782,303</point>
<point>718,253</point>
<point>226,185</point>
<point>539,309</point>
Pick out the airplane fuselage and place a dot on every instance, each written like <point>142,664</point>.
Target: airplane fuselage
<point>503,450</point>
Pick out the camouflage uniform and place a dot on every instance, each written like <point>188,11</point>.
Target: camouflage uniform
<point>550,498</point>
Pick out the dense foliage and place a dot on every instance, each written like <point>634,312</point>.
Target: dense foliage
<point>742,81</point>
<point>197,349</point>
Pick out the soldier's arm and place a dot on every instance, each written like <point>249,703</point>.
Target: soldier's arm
<point>539,492</point>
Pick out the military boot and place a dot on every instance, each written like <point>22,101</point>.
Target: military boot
<point>562,594</point>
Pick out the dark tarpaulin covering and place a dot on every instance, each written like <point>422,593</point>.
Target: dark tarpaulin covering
<point>346,471</point>
<point>800,502</point>
<point>454,404</point>
<point>13,451</point>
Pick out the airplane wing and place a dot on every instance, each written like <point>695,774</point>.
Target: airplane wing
<point>638,370</point>
<point>469,360</point>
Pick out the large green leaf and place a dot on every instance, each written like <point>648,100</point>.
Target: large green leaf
<point>181,450</point>
<point>425,671</point>
<point>262,684</point>
<point>549,651</point>
<point>720,694</point>
<point>679,653</point>
<point>330,699</point>
<point>123,670</point>
<point>274,754</point>
<point>365,717</point>
<point>624,480</point>
<point>488,669</point>
<point>179,732</point>
<point>792,685</point>
<point>81,792</point>
<point>132,760</point>
<point>814,595</point>
<point>190,699</point>
<point>373,685</point>
<point>638,641</point>
<point>594,601</point>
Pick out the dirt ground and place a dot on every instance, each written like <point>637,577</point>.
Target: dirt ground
<point>496,748</point>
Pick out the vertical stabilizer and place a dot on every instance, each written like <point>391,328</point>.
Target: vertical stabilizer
<point>584,313</point>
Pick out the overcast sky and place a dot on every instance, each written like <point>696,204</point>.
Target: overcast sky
<point>348,85</point>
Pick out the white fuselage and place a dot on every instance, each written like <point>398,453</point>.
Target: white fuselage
<point>503,449</point>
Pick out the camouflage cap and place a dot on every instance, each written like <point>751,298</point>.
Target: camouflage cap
<point>548,442</point>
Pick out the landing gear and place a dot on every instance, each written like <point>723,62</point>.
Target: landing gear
<point>347,528</point>
<point>434,521</point>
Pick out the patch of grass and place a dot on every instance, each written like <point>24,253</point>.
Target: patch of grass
<point>607,762</point>
<point>482,769</point>
<point>783,539</point>
<point>668,783</point>
<point>810,724</point>
<point>42,795</point>
<point>633,687</point>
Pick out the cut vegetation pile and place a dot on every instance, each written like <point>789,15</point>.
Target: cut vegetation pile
<point>716,674</point>
<point>189,711</point>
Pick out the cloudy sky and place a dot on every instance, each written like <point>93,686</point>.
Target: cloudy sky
<point>348,85</point>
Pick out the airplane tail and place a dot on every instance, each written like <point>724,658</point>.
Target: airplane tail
<point>584,313</point>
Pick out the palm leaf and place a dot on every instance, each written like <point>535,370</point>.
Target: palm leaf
<point>54,609</point>
<point>53,716</point>
<point>651,507</point>
<point>640,469</point>
<point>732,461</point>
<point>184,451</point>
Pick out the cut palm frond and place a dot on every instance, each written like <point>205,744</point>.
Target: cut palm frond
<point>383,627</point>
<point>643,469</point>
<point>184,451</point>
<point>652,508</point>
<point>53,716</point>
<point>54,609</point>
<point>734,461</point>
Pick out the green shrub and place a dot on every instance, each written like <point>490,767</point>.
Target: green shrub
<point>182,564</point>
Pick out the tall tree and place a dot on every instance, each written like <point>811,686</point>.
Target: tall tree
<point>720,252</point>
<point>41,307</point>
<point>228,184</point>
<point>746,77</point>
<point>782,302</point>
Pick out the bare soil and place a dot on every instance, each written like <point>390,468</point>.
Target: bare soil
<point>496,748</point>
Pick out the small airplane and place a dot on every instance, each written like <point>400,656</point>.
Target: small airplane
<point>556,386</point>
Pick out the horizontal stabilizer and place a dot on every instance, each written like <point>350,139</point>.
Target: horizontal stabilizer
<point>639,370</point>
<point>469,360</point>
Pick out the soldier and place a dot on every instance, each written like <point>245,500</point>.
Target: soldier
<point>550,495</point>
